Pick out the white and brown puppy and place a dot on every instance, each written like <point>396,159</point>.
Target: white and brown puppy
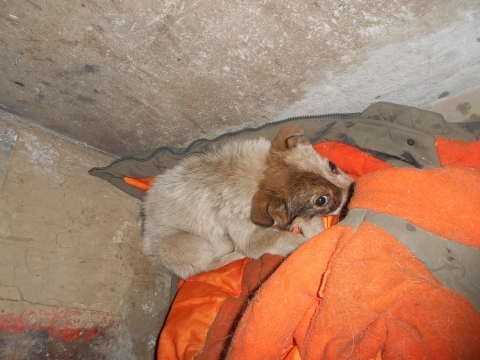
<point>214,208</point>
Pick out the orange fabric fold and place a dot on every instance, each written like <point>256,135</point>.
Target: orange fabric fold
<point>379,302</point>
<point>362,294</point>
<point>219,336</point>
<point>286,304</point>
<point>351,160</point>
<point>442,201</point>
<point>142,184</point>
<point>217,296</point>
<point>458,153</point>
<point>196,304</point>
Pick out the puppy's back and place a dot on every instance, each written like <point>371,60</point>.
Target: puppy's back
<point>203,186</point>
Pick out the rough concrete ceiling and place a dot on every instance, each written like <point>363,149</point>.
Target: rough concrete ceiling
<point>128,76</point>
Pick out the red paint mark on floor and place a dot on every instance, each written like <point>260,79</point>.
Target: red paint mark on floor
<point>68,325</point>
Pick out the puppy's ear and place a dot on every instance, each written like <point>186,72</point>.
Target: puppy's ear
<point>288,138</point>
<point>278,210</point>
<point>259,212</point>
<point>267,209</point>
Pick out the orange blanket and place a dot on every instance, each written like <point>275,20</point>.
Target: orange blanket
<point>363,294</point>
<point>353,291</point>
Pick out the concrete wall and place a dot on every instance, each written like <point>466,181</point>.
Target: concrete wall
<point>128,76</point>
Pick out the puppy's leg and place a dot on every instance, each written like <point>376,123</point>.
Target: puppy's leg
<point>224,253</point>
<point>182,253</point>
<point>312,227</point>
<point>225,259</point>
<point>186,254</point>
<point>260,240</point>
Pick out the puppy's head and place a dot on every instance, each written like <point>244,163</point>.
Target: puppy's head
<point>298,183</point>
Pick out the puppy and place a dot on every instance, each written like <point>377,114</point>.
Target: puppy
<point>212,209</point>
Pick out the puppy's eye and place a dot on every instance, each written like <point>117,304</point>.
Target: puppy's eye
<point>322,200</point>
<point>333,167</point>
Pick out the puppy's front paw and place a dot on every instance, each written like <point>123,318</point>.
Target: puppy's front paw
<point>312,227</point>
<point>226,259</point>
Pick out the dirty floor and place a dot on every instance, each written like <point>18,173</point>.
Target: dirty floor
<point>73,280</point>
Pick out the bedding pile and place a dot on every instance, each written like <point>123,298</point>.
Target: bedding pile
<point>398,277</point>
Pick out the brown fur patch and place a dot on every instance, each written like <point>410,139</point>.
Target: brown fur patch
<point>287,192</point>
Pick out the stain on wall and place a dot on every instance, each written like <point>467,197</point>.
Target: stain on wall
<point>126,77</point>
<point>464,108</point>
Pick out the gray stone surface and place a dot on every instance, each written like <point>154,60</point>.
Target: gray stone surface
<point>126,77</point>
<point>459,108</point>
<point>8,137</point>
<point>70,246</point>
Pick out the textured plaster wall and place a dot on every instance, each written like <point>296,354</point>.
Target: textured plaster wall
<point>416,71</point>
<point>128,76</point>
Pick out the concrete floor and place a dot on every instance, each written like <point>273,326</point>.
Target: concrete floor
<point>73,280</point>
